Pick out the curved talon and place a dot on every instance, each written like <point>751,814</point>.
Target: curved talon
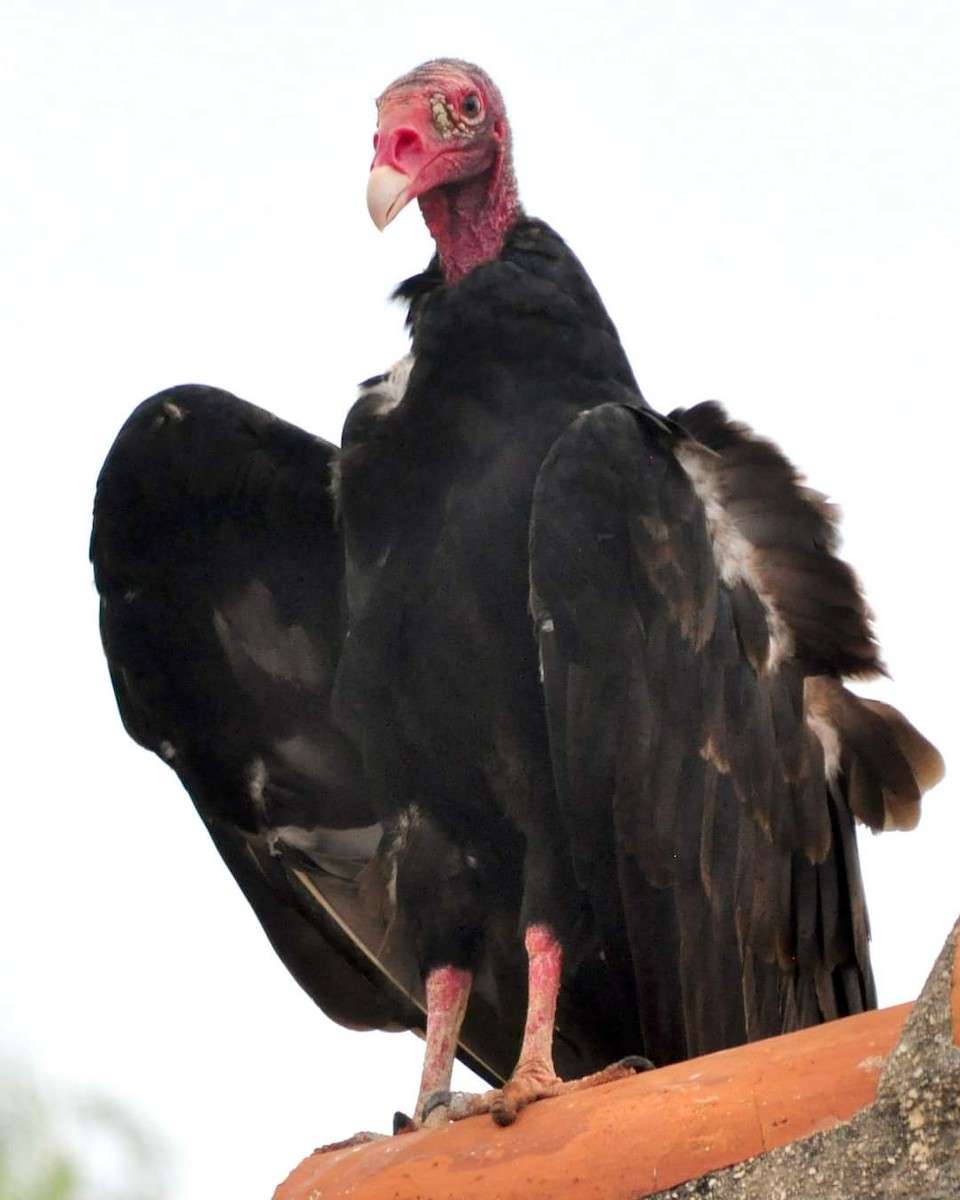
<point>636,1062</point>
<point>520,1091</point>
<point>503,1111</point>
<point>435,1108</point>
<point>403,1124</point>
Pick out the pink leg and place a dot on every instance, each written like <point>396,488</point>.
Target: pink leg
<point>534,1077</point>
<point>545,960</point>
<point>448,989</point>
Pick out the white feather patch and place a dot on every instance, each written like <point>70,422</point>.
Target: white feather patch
<point>734,554</point>
<point>256,782</point>
<point>339,852</point>
<point>391,389</point>
<point>251,631</point>
<point>826,733</point>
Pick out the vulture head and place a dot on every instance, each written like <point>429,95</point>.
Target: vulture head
<point>443,139</point>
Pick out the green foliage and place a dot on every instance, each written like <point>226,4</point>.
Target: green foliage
<point>61,1145</point>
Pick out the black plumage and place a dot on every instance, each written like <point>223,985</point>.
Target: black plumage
<point>219,564</point>
<point>557,665</point>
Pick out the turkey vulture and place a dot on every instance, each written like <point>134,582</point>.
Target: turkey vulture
<point>527,666</point>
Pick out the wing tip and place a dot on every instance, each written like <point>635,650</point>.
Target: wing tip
<point>887,762</point>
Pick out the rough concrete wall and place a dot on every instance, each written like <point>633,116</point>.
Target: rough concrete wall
<point>905,1146</point>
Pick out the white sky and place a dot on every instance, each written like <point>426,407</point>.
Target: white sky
<point>767,197</point>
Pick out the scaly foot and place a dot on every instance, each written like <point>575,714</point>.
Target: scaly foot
<point>528,1084</point>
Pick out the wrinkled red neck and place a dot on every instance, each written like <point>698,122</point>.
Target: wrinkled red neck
<point>469,220</point>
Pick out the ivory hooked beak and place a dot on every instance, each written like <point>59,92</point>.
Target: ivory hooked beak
<point>387,193</point>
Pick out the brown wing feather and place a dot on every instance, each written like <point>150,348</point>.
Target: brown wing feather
<point>786,535</point>
<point>699,645</point>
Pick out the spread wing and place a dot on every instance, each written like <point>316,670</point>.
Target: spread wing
<point>694,626</point>
<point>219,566</point>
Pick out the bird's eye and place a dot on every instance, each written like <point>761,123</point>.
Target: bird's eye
<point>471,107</point>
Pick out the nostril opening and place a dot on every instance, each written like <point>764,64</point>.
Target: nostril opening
<point>405,142</point>
<point>398,148</point>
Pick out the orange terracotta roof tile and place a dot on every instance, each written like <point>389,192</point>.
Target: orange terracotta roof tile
<point>630,1139</point>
